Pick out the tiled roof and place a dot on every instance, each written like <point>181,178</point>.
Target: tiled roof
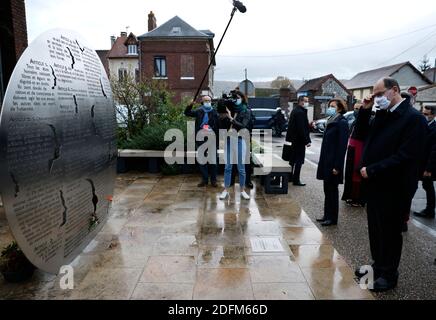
<point>431,73</point>
<point>314,84</point>
<point>369,78</point>
<point>119,49</point>
<point>176,28</point>
<point>427,94</point>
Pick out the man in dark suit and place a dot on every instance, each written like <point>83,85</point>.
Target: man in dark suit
<point>428,170</point>
<point>393,148</point>
<point>299,136</point>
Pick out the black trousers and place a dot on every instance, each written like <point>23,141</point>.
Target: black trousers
<point>331,200</point>
<point>296,170</point>
<point>385,221</point>
<point>427,185</point>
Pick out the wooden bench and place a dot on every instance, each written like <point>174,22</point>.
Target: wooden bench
<point>275,174</point>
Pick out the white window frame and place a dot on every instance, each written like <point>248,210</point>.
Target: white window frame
<point>132,49</point>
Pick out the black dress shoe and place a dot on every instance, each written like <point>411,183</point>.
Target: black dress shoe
<point>299,184</point>
<point>202,184</point>
<point>320,220</point>
<point>250,185</point>
<point>405,227</point>
<point>425,214</point>
<point>327,223</point>
<point>383,284</point>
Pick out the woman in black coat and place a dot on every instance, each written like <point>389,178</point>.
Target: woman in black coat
<point>331,160</point>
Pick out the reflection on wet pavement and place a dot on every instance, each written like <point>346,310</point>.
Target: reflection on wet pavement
<point>168,239</point>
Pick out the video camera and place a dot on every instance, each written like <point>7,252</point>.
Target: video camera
<point>227,101</point>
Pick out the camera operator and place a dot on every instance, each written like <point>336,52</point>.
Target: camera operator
<point>235,116</point>
<point>206,118</point>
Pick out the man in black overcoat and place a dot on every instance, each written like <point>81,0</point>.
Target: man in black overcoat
<point>428,169</point>
<point>299,136</point>
<point>393,149</point>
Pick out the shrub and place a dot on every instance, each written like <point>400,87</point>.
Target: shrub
<point>152,136</point>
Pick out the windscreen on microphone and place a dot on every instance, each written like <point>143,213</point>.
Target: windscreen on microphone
<point>238,4</point>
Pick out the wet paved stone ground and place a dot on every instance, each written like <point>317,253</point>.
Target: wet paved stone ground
<point>168,239</point>
<point>350,238</point>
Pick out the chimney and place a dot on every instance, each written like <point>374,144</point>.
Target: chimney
<point>113,39</point>
<point>151,21</point>
<point>123,34</point>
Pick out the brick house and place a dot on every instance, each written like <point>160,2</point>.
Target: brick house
<point>178,54</point>
<point>13,39</point>
<point>320,91</point>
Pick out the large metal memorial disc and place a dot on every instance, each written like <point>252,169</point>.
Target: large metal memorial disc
<point>57,149</point>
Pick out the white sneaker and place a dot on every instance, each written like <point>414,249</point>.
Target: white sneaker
<point>224,195</point>
<point>245,195</point>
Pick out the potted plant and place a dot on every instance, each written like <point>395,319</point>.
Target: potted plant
<point>14,265</point>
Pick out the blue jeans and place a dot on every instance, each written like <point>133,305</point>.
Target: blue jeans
<point>242,147</point>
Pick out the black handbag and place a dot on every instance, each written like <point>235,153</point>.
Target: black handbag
<point>286,153</point>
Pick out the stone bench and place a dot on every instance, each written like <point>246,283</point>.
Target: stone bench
<point>274,175</point>
<point>155,158</point>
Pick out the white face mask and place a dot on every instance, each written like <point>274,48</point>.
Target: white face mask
<point>306,105</point>
<point>207,104</point>
<point>382,102</point>
<point>331,111</point>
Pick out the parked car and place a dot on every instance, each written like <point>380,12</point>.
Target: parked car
<point>275,119</point>
<point>318,126</point>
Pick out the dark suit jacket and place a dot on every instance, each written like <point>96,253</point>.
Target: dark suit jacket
<point>333,149</point>
<point>393,149</point>
<point>198,114</point>
<point>298,133</point>
<point>429,158</point>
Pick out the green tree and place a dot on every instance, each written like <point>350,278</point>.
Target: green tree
<point>143,103</point>
<point>425,64</point>
<point>281,82</point>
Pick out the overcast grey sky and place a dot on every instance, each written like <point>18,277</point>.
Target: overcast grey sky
<point>297,39</point>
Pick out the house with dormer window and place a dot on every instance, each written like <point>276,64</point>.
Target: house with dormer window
<point>178,54</point>
<point>123,58</point>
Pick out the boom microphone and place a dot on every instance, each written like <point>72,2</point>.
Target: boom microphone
<point>239,5</point>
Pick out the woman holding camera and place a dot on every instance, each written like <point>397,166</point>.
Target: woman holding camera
<point>331,160</point>
<point>239,120</point>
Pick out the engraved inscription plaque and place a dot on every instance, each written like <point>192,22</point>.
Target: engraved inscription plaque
<point>57,149</point>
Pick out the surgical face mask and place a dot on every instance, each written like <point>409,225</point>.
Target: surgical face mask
<point>238,101</point>
<point>429,118</point>
<point>306,105</point>
<point>207,104</point>
<point>382,102</point>
<point>331,111</point>
<point>356,112</point>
